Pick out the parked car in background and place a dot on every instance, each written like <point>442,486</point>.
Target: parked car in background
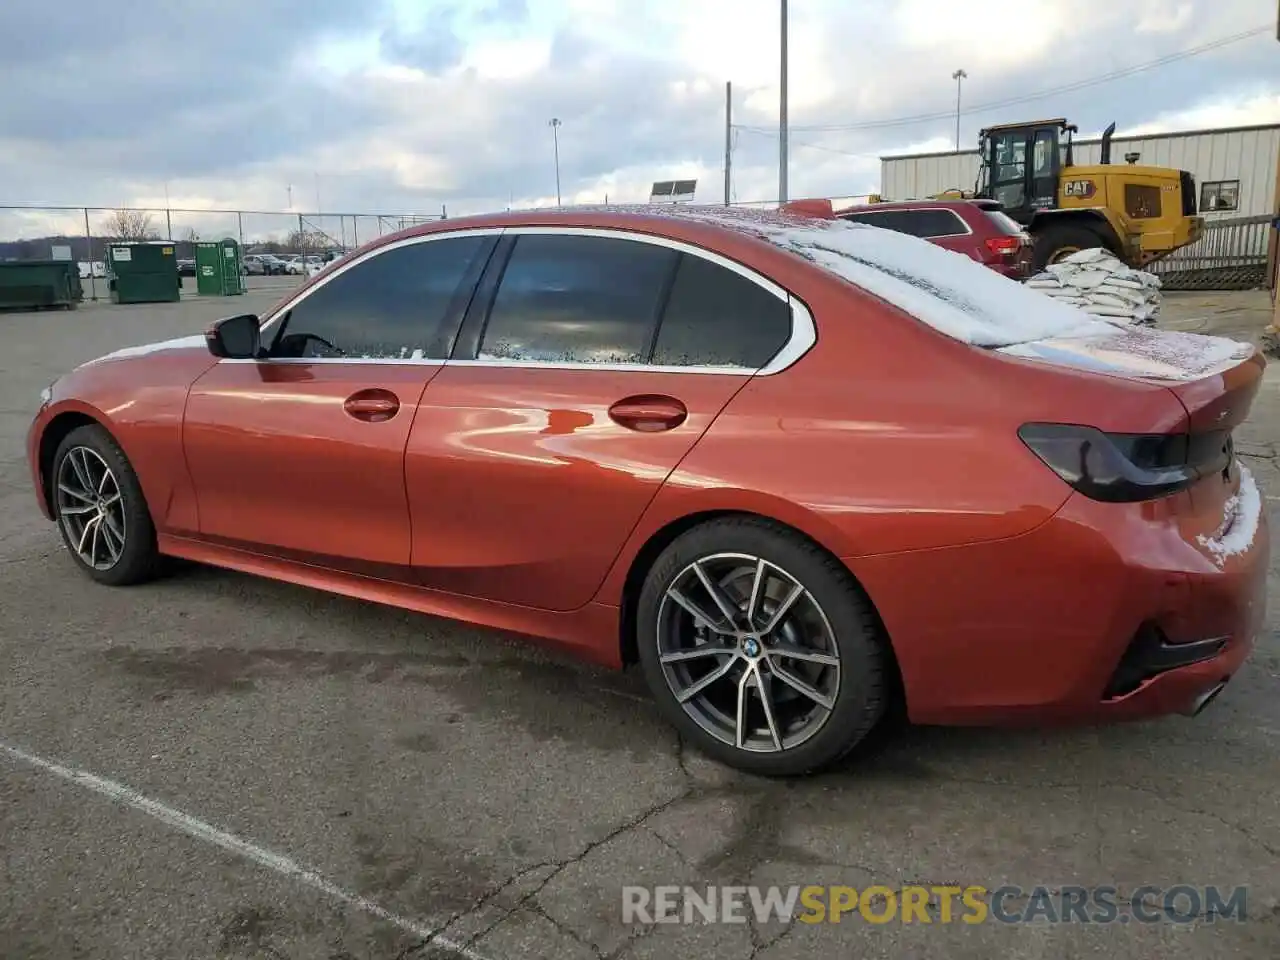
<point>820,471</point>
<point>976,228</point>
<point>252,264</point>
<point>272,264</point>
<point>295,265</point>
<point>313,265</point>
<point>186,268</point>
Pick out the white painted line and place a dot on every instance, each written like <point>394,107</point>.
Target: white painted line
<point>228,841</point>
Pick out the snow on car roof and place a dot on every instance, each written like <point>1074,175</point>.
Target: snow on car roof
<point>969,302</point>
<point>949,292</point>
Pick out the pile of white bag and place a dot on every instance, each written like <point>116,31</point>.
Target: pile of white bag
<point>1097,282</point>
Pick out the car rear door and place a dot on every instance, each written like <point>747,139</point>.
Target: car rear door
<point>590,363</point>
<point>301,454</point>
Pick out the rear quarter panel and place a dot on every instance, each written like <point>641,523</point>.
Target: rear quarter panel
<point>140,400</point>
<point>888,437</point>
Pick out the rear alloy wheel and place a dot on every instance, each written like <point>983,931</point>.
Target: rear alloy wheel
<point>100,509</point>
<point>760,649</point>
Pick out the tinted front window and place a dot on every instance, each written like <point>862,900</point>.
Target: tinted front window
<point>389,307</point>
<point>716,317</point>
<point>579,299</point>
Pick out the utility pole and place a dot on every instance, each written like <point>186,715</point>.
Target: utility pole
<point>959,77</point>
<point>728,140</point>
<point>555,141</point>
<point>782,113</point>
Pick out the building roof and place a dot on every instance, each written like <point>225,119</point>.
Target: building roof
<point>1079,141</point>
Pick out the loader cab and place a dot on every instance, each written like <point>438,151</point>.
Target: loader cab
<point>1021,164</point>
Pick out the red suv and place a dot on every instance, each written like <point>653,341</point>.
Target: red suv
<point>976,228</point>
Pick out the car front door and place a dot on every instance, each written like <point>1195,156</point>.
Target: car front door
<point>301,453</point>
<point>590,363</point>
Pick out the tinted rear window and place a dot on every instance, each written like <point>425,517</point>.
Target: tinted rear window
<point>1003,222</point>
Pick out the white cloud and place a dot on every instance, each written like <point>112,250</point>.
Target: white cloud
<point>397,105</point>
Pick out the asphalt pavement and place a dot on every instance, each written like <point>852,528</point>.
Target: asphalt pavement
<point>214,765</point>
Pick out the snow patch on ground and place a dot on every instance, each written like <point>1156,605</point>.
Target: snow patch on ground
<point>1241,516</point>
<point>142,350</point>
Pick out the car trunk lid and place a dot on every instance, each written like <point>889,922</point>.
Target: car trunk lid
<point>1215,380</point>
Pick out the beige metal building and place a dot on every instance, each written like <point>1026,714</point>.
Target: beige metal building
<point>1235,169</point>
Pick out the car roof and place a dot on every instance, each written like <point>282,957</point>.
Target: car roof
<point>663,220</point>
<point>964,205</point>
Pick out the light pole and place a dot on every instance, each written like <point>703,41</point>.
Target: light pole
<point>782,110</point>
<point>555,142</point>
<point>959,77</point>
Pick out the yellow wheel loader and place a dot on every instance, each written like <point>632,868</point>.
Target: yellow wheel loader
<point>1139,213</point>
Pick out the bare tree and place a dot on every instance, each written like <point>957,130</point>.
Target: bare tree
<point>191,235</point>
<point>305,241</point>
<point>131,225</point>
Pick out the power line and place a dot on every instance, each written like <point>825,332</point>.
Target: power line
<point>1040,95</point>
<point>811,146</point>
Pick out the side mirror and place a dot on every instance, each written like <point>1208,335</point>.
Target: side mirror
<point>235,338</point>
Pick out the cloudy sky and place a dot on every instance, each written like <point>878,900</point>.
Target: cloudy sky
<point>402,106</point>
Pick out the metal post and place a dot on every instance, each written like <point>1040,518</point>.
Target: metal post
<point>168,223</point>
<point>959,77</point>
<point>555,142</point>
<point>355,232</point>
<point>782,113</point>
<point>240,227</point>
<point>88,235</point>
<point>728,139</point>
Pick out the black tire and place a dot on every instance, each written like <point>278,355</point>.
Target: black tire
<point>139,559</point>
<point>1056,238</point>
<point>862,690</point>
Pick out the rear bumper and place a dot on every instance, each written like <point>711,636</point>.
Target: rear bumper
<point>1014,271</point>
<point>1047,628</point>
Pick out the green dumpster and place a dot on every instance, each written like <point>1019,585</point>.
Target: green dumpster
<point>35,284</point>
<point>218,269</point>
<point>143,273</point>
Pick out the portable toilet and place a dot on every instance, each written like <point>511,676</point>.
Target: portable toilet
<point>218,269</point>
<point>143,273</point>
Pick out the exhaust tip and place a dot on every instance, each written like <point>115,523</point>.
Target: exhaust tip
<point>1199,703</point>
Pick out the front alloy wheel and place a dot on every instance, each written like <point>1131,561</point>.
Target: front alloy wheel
<point>101,511</point>
<point>91,508</point>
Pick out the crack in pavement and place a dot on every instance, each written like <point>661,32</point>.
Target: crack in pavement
<point>559,867</point>
<point>568,931</point>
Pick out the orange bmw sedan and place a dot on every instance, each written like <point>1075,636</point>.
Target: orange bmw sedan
<point>795,469</point>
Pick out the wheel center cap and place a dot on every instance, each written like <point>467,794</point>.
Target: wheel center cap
<point>751,647</point>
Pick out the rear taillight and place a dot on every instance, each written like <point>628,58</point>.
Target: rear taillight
<point>1004,246</point>
<point>1126,467</point>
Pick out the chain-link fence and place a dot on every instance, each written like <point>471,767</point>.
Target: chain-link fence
<point>82,234</point>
